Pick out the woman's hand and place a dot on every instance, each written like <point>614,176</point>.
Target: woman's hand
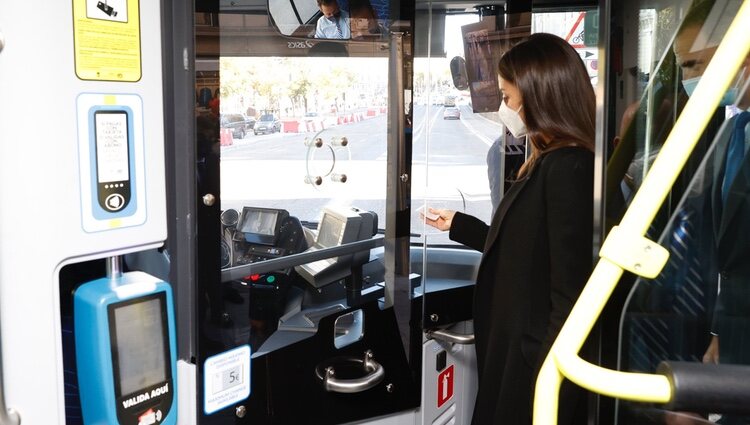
<point>444,220</point>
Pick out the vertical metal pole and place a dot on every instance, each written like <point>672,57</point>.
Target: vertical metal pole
<point>600,176</point>
<point>397,175</point>
<point>398,287</point>
<point>178,47</point>
<point>602,125</point>
<point>114,268</point>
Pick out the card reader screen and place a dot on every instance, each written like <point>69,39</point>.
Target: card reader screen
<point>331,230</point>
<point>141,346</point>
<point>259,222</point>
<point>112,146</point>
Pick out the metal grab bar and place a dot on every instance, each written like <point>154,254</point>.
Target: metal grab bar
<point>563,360</point>
<point>375,375</point>
<point>451,337</point>
<point>275,264</point>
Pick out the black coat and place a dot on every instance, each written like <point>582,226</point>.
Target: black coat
<point>731,223</point>
<point>537,258</point>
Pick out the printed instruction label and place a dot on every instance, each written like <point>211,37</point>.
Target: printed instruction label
<point>107,40</point>
<point>111,146</point>
<point>226,379</point>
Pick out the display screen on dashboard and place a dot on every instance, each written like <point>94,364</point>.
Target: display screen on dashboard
<point>259,222</point>
<point>331,230</point>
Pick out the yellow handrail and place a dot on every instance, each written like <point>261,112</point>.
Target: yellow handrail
<point>563,359</point>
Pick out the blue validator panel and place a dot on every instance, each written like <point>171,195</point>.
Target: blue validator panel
<point>126,351</point>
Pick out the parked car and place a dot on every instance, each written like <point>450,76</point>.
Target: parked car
<point>267,123</point>
<point>451,113</point>
<point>236,122</point>
<point>249,122</point>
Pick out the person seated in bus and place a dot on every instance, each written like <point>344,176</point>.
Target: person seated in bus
<point>537,252</point>
<point>334,24</point>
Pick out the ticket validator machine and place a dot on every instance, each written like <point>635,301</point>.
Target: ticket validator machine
<point>95,174</point>
<point>124,327</point>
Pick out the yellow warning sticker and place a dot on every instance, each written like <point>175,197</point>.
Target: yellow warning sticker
<point>107,40</point>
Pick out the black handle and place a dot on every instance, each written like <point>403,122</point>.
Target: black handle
<point>699,387</point>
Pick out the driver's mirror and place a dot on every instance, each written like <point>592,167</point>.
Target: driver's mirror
<point>331,19</point>
<point>458,72</point>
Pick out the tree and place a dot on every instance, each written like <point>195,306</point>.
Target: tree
<point>299,88</point>
<point>239,79</point>
<point>334,82</point>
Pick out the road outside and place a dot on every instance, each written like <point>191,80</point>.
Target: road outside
<point>449,167</point>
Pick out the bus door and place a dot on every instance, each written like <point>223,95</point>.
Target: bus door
<point>303,177</point>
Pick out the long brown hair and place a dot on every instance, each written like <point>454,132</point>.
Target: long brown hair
<point>558,100</point>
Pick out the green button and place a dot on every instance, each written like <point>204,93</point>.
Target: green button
<point>271,279</point>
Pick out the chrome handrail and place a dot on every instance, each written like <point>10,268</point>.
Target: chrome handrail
<point>451,337</point>
<point>375,375</point>
<point>266,266</point>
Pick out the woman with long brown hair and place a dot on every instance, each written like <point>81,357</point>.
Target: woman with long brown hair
<point>537,252</point>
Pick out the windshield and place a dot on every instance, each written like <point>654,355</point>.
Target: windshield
<point>320,101</point>
<point>458,137</point>
<point>279,165</point>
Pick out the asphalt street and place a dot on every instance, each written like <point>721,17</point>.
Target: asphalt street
<point>449,168</point>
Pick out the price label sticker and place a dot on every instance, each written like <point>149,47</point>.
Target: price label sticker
<point>226,379</point>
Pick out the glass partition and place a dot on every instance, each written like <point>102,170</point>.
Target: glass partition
<point>464,159</point>
<point>314,165</point>
<point>293,155</point>
<point>678,315</point>
<point>450,140</point>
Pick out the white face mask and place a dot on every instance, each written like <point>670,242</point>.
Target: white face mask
<point>512,120</point>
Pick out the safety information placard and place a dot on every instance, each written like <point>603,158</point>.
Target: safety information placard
<point>107,40</point>
<point>444,386</point>
<point>226,379</point>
